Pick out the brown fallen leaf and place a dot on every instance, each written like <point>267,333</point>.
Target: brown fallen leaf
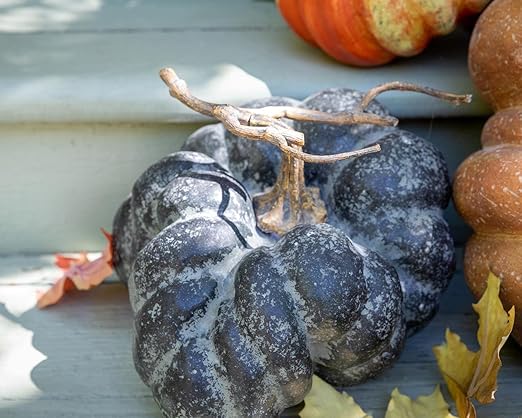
<point>433,406</point>
<point>324,401</point>
<point>78,273</point>
<point>473,375</point>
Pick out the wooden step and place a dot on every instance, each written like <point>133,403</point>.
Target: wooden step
<point>83,111</point>
<point>90,61</point>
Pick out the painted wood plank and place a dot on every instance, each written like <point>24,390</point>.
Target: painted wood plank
<point>137,16</point>
<point>71,361</point>
<point>74,359</point>
<point>112,76</point>
<point>61,183</point>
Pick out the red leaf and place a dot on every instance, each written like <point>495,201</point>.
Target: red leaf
<point>78,273</point>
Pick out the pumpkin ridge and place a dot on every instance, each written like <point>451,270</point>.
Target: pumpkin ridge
<point>361,40</point>
<point>293,14</point>
<point>398,26</point>
<point>439,16</point>
<point>226,184</point>
<point>317,16</point>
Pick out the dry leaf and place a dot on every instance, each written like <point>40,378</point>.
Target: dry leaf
<point>78,273</point>
<point>465,407</point>
<point>455,356</point>
<point>495,326</point>
<point>473,375</point>
<point>324,401</point>
<point>433,406</point>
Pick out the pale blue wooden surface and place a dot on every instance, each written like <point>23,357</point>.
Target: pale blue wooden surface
<point>98,60</point>
<point>60,183</point>
<point>83,111</point>
<point>74,360</point>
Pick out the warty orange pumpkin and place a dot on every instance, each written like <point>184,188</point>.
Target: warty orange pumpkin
<point>374,32</point>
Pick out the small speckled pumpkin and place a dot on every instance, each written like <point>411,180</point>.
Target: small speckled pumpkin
<point>230,321</point>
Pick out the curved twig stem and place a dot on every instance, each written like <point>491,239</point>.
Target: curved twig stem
<point>330,158</point>
<point>264,124</point>
<point>310,115</point>
<point>456,99</point>
<point>179,90</point>
<point>290,202</point>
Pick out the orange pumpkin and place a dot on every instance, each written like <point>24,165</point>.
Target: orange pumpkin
<point>374,32</point>
<point>488,184</point>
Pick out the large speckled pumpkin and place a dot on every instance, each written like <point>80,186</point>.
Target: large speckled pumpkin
<point>231,321</point>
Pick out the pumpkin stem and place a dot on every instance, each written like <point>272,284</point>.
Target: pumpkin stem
<point>265,125</point>
<point>289,202</point>
<point>456,99</point>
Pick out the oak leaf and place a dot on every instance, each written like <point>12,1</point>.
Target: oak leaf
<point>433,406</point>
<point>473,375</point>
<point>324,401</point>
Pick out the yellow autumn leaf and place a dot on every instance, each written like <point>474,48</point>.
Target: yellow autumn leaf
<point>495,325</point>
<point>324,401</point>
<point>465,407</point>
<point>460,364</point>
<point>433,406</point>
<point>473,375</point>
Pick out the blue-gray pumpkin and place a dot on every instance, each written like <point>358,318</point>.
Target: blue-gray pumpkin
<point>230,321</point>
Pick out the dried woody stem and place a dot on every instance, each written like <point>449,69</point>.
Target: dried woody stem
<point>290,202</point>
<point>456,99</point>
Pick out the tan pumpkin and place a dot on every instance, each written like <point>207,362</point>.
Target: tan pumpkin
<point>488,185</point>
<point>374,32</point>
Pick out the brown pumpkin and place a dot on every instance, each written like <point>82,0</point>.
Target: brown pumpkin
<point>488,185</point>
<point>374,32</point>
